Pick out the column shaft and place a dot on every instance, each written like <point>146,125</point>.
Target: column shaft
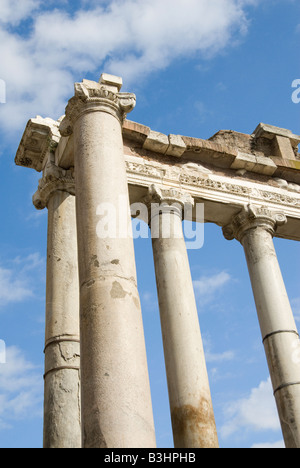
<point>278,328</point>
<point>62,426</point>
<point>116,399</point>
<point>255,227</point>
<point>189,393</point>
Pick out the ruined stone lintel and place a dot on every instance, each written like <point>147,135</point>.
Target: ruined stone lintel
<point>253,217</point>
<point>91,96</point>
<point>54,178</point>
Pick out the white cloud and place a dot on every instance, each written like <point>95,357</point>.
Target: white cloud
<point>11,288</point>
<point>276,445</point>
<point>149,301</point>
<point>202,111</point>
<point>257,412</point>
<point>16,282</point>
<point>148,298</point>
<point>14,11</point>
<point>219,357</point>
<point>206,287</point>
<point>21,388</point>
<point>131,38</point>
<point>213,357</point>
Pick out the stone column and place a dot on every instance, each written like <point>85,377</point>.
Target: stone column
<point>116,399</point>
<point>255,227</point>
<point>62,426</point>
<point>189,393</point>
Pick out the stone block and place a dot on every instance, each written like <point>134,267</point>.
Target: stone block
<point>257,164</point>
<point>282,148</point>
<point>135,131</point>
<point>157,142</point>
<point>176,146</point>
<point>114,83</point>
<point>269,132</point>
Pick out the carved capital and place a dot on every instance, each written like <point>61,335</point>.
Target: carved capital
<point>160,200</point>
<point>96,97</point>
<point>40,138</point>
<point>253,217</point>
<point>54,178</point>
<point>160,195</point>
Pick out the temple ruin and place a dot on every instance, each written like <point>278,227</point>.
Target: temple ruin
<point>94,157</point>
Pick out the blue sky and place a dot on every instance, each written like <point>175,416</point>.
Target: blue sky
<point>196,66</point>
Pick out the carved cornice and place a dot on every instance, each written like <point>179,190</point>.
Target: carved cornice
<point>192,181</point>
<point>253,217</point>
<point>54,179</point>
<point>94,97</point>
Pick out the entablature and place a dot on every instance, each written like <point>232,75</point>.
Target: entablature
<point>226,172</point>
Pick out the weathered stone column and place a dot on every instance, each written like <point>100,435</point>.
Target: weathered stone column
<point>116,399</point>
<point>254,227</point>
<point>189,393</point>
<point>62,426</point>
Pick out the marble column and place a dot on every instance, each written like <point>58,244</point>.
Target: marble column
<point>62,425</point>
<point>116,399</point>
<point>189,393</point>
<point>255,227</point>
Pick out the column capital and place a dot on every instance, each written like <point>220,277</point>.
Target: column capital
<point>168,196</point>
<point>91,96</point>
<point>159,200</point>
<point>40,139</point>
<point>54,178</point>
<point>253,217</point>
